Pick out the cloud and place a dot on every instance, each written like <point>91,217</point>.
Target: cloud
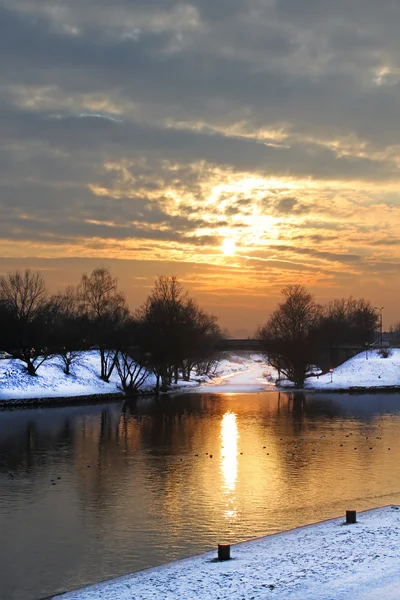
<point>165,126</point>
<point>307,86</point>
<point>290,205</point>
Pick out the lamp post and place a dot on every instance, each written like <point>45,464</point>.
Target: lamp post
<point>380,308</point>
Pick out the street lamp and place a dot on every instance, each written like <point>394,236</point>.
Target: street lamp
<point>380,308</point>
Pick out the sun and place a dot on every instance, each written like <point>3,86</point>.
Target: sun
<point>228,247</point>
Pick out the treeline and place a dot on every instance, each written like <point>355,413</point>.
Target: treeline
<point>300,327</point>
<point>169,335</point>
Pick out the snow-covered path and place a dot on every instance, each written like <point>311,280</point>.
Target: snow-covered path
<point>327,561</point>
<point>250,374</point>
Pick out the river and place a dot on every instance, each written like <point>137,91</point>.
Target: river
<point>94,491</point>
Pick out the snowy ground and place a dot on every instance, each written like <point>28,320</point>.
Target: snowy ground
<point>327,561</point>
<point>363,370</point>
<point>252,374</point>
<point>244,374</point>
<point>51,381</point>
<point>241,374</point>
<point>238,373</point>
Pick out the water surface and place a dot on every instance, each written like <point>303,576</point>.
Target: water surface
<point>92,492</point>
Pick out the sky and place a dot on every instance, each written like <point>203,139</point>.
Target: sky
<point>242,145</point>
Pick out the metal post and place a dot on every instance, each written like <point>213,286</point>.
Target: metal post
<point>351,516</point>
<point>224,551</point>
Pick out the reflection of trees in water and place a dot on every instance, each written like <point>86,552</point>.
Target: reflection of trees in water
<point>98,459</point>
<point>28,445</point>
<point>158,428</point>
<point>348,405</point>
<point>299,405</point>
<point>296,412</point>
<point>124,458</point>
<point>147,443</point>
<point>168,424</point>
<point>32,447</point>
<point>181,404</point>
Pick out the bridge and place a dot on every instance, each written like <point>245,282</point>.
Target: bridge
<point>236,345</point>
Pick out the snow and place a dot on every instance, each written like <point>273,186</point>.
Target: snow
<point>238,373</point>
<point>243,373</point>
<point>363,370</point>
<point>329,560</point>
<point>51,381</point>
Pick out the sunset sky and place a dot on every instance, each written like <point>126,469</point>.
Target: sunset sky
<point>241,145</point>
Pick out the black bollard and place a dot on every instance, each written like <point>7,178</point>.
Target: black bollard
<point>224,551</point>
<point>351,516</point>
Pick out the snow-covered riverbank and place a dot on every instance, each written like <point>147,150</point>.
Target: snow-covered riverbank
<point>237,373</point>
<point>326,561</point>
<point>365,370</point>
<point>52,383</point>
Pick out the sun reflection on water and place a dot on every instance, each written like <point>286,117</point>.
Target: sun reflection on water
<point>229,461</point>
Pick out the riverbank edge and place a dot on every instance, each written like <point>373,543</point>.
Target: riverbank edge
<point>212,554</point>
<point>376,389</point>
<point>97,398</point>
<point>54,401</point>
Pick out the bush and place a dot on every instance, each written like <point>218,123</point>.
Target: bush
<point>384,352</point>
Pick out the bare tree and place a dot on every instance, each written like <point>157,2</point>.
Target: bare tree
<point>158,327</point>
<point>105,308</point>
<point>131,361</point>
<point>24,297</point>
<point>348,321</point>
<point>174,332</point>
<point>289,337</point>
<point>364,320</point>
<point>70,324</point>
<point>203,338</point>
<point>132,368</point>
<point>24,293</point>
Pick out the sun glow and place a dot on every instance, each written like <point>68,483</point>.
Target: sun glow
<point>229,450</point>
<point>229,462</point>
<point>228,247</point>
